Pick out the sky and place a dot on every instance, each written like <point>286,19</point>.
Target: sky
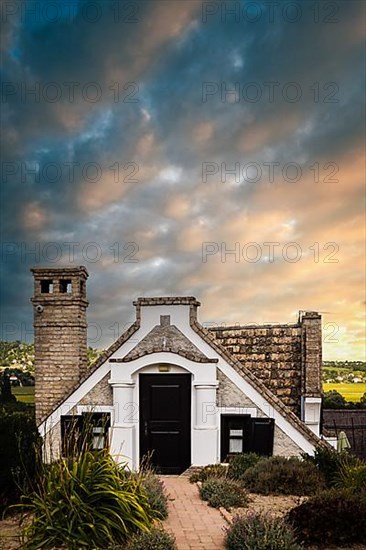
<point>208,149</point>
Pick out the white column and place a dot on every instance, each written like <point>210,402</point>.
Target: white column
<point>123,446</point>
<point>206,410</point>
<point>204,434</point>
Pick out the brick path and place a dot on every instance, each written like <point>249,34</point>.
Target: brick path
<point>194,524</point>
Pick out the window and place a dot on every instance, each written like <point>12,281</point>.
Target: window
<point>242,434</point>
<point>46,286</point>
<point>236,441</point>
<point>65,286</point>
<point>86,431</point>
<point>235,434</point>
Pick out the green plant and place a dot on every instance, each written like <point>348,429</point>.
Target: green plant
<point>224,492</point>
<point>255,531</point>
<point>351,474</point>
<point>154,489</point>
<point>334,400</point>
<point>211,470</point>
<point>5,388</point>
<point>331,517</point>
<point>283,476</point>
<point>86,501</point>
<point>331,464</point>
<point>155,539</point>
<point>19,440</point>
<point>240,463</point>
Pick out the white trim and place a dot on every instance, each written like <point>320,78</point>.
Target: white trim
<point>252,411</point>
<point>74,399</point>
<point>80,409</point>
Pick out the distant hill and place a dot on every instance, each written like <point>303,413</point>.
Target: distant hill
<point>19,356</point>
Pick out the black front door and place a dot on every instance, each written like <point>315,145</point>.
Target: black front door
<point>165,421</point>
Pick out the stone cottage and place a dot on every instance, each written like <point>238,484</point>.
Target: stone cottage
<point>170,388</point>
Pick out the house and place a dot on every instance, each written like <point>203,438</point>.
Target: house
<point>169,387</point>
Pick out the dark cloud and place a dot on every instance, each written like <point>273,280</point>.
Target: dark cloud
<point>167,55</point>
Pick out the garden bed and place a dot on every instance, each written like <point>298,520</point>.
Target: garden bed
<point>278,506</point>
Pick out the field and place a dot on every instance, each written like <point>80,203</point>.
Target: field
<point>351,392</point>
<point>25,394</point>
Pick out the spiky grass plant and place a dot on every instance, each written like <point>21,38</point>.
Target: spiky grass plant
<point>86,501</point>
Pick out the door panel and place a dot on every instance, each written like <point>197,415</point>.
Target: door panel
<point>165,421</point>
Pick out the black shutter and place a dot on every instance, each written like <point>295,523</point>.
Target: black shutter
<point>262,436</point>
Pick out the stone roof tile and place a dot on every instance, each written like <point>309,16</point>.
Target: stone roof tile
<point>167,339</point>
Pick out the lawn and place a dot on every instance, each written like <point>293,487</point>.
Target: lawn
<point>351,392</point>
<point>25,394</point>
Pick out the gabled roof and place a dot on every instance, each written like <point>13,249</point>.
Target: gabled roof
<point>178,343</point>
<point>166,339</point>
<point>272,399</point>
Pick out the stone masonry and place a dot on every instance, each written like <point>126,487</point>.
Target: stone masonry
<point>60,333</point>
<point>286,358</point>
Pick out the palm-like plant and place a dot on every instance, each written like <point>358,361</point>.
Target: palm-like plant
<point>87,501</point>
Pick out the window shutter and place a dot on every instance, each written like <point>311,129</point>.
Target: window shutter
<point>262,436</point>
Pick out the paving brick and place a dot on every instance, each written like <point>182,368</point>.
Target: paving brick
<point>194,524</point>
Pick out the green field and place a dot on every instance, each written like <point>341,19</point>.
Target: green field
<point>351,392</point>
<point>25,394</point>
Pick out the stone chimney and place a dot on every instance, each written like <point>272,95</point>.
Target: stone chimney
<point>311,371</point>
<point>60,334</point>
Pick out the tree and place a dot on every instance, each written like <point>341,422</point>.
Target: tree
<point>334,400</point>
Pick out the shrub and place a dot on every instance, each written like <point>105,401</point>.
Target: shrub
<point>224,492</point>
<point>283,476</point>
<point>260,532</point>
<point>154,489</point>
<point>19,440</point>
<point>240,463</point>
<point>211,470</point>
<point>85,502</point>
<point>331,517</point>
<point>352,475</point>
<point>334,400</point>
<point>156,539</point>
<point>331,463</point>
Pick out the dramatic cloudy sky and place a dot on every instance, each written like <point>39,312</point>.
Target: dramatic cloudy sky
<point>161,135</point>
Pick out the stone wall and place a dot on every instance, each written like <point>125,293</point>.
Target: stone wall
<point>283,445</point>
<point>229,395</point>
<point>272,353</point>
<point>60,332</point>
<point>101,394</point>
